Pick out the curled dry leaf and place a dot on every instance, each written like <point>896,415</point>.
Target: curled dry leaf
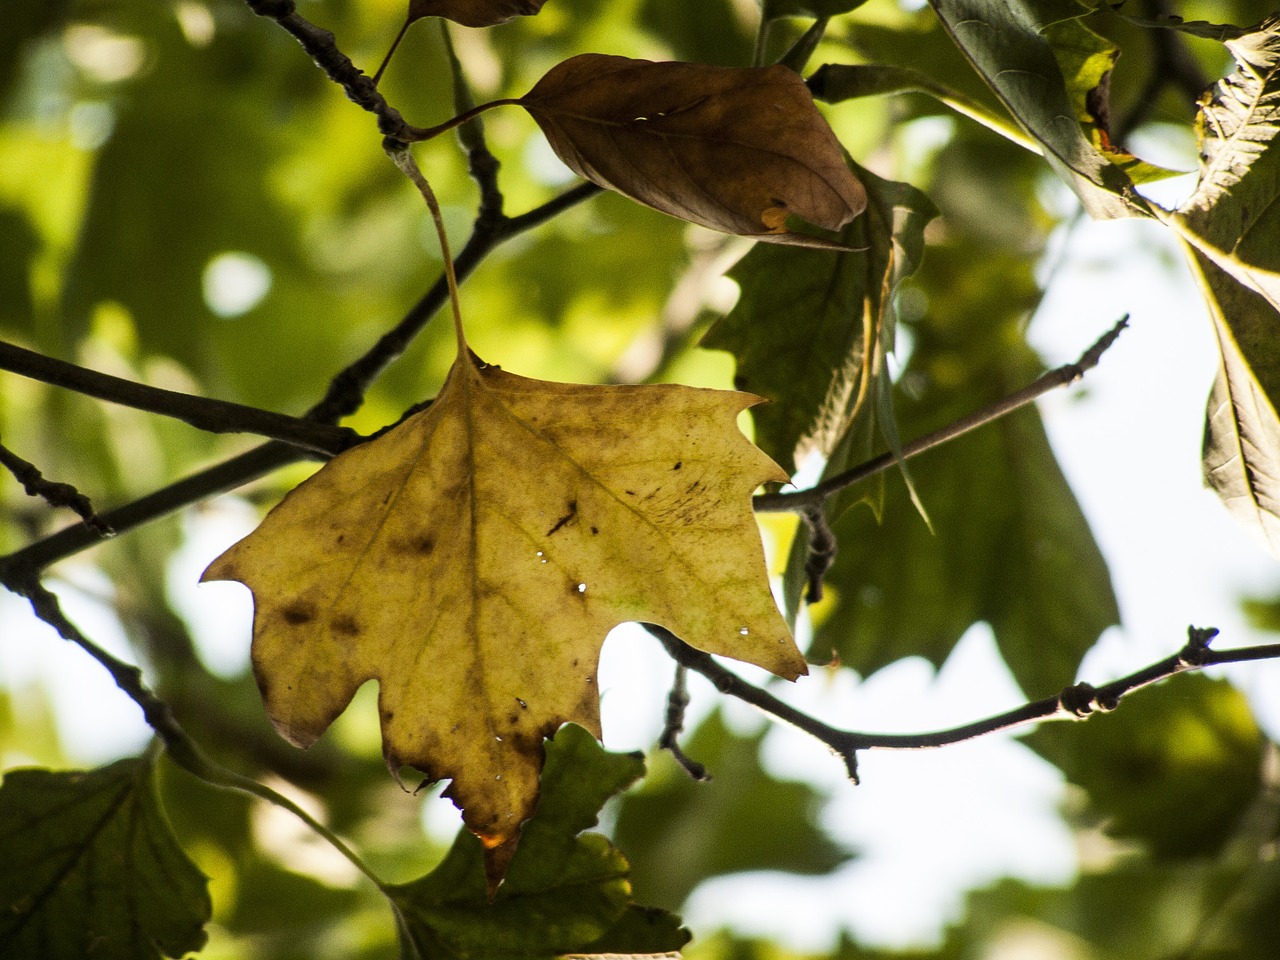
<point>736,149</point>
<point>474,13</point>
<point>473,559</point>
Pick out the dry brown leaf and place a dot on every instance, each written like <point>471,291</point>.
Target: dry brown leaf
<point>474,13</point>
<point>735,149</point>
<point>473,559</point>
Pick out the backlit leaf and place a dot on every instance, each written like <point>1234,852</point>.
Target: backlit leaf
<point>739,150</point>
<point>1010,545</point>
<point>473,559</point>
<point>90,868</point>
<point>811,327</point>
<point>566,892</point>
<point>1231,225</point>
<point>1006,44</point>
<point>1242,429</point>
<point>474,13</point>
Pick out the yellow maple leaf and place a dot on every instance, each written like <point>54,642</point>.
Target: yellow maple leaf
<point>473,559</point>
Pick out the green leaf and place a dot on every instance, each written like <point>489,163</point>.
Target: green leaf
<point>1007,45</point>
<point>1241,456</point>
<point>680,833</point>
<point>1011,547</point>
<point>1233,217</point>
<point>565,890</point>
<point>837,82</point>
<point>810,328</point>
<point>1086,60</point>
<point>1176,769</point>
<point>91,868</point>
<point>1231,225</point>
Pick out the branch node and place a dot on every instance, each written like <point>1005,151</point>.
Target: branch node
<point>822,550</point>
<point>53,493</point>
<point>1196,652</point>
<point>1083,699</point>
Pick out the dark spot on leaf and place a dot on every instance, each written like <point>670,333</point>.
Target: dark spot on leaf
<point>595,530</point>
<point>573,512</point>
<point>693,486</point>
<point>297,614</point>
<point>679,464</point>
<point>629,493</point>
<point>513,719</point>
<point>345,624</point>
<point>341,537</point>
<point>424,545</point>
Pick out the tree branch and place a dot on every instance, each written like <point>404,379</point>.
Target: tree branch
<point>228,475</point>
<point>1073,703</point>
<point>803,501</point>
<point>55,494</point>
<point>215,416</point>
<point>184,751</point>
<point>677,703</point>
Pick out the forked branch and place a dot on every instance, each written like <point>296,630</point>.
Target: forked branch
<point>1074,703</point>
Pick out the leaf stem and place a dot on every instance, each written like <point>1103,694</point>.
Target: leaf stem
<point>382,67</point>
<point>402,156</point>
<point>412,134</point>
<point>801,501</point>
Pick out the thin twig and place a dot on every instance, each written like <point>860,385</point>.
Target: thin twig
<point>677,703</point>
<point>228,475</point>
<point>214,416</point>
<point>1073,703</point>
<point>184,751</point>
<point>51,492</point>
<point>800,501</point>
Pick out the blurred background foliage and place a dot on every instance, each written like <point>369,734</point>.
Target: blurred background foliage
<point>186,201</point>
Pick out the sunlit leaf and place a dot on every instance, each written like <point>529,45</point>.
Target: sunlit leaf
<point>566,891</point>
<point>1233,217</point>
<point>474,13</point>
<point>1005,42</point>
<point>91,869</point>
<point>1232,226</point>
<point>836,82</point>
<point>1087,60</point>
<point>1242,429</point>
<point>739,150</point>
<point>810,328</point>
<point>473,559</point>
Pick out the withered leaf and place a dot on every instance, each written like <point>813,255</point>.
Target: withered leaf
<point>473,559</point>
<point>474,13</point>
<point>736,149</point>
